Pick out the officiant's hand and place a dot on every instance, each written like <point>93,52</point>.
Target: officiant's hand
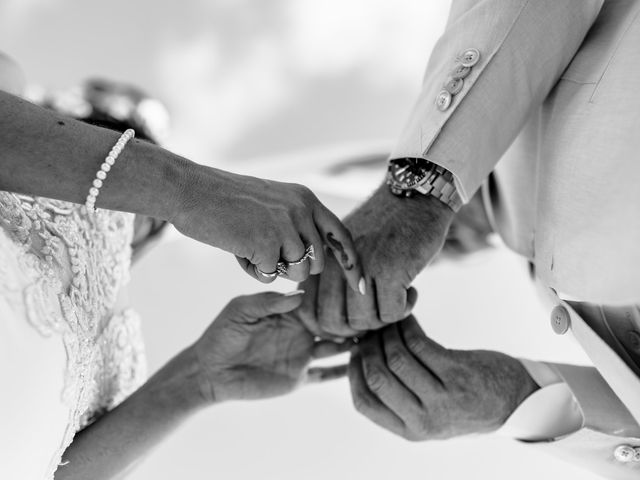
<point>262,222</point>
<point>408,384</point>
<point>255,349</point>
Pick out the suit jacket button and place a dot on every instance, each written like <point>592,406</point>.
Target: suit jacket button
<point>560,320</point>
<point>460,72</point>
<point>443,100</point>
<point>454,85</point>
<point>469,57</point>
<point>624,453</point>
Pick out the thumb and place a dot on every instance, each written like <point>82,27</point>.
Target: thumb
<point>264,304</point>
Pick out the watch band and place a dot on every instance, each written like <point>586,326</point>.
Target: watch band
<point>440,184</point>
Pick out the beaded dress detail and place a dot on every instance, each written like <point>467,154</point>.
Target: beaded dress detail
<point>64,268</point>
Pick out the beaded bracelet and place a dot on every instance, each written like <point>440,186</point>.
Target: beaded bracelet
<point>90,203</point>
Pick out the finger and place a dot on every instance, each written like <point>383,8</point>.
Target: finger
<point>292,252</point>
<point>264,304</point>
<point>392,300</point>
<point>264,265</point>
<point>307,310</point>
<point>248,267</point>
<point>323,374</point>
<point>367,403</point>
<point>312,238</point>
<point>382,382</point>
<point>339,240</point>
<point>416,376</point>
<point>362,310</point>
<point>331,303</point>
<point>429,353</point>
<point>326,349</point>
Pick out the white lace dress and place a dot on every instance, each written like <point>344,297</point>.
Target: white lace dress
<point>68,351</point>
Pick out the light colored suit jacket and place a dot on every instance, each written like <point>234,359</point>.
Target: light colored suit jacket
<point>555,96</point>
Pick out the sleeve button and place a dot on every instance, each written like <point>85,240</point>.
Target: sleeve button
<point>560,320</point>
<point>460,72</point>
<point>454,85</point>
<point>469,57</point>
<point>443,100</point>
<point>624,453</point>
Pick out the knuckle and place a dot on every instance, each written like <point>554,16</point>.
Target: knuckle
<point>361,402</point>
<point>303,198</point>
<point>305,193</point>
<point>411,436</point>
<point>390,316</point>
<point>376,380</point>
<point>397,362</point>
<point>269,244</point>
<point>415,345</point>
<point>423,427</point>
<point>237,304</point>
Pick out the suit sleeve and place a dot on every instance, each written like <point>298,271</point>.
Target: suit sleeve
<point>524,46</point>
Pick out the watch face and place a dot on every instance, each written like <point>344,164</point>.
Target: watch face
<point>406,173</point>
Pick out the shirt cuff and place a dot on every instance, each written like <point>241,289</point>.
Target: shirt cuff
<point>549,413</point>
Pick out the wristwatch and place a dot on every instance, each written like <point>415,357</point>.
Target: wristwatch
<point>406,176</point>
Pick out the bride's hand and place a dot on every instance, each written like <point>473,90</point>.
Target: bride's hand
<point>255,350</point>
<point>262,222</point>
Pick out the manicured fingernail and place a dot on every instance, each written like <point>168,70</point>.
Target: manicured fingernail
<point>294,293</point>
<point>362,287</point>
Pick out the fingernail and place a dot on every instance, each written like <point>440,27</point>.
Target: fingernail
<point>294,293</point>
<point>362,286</point>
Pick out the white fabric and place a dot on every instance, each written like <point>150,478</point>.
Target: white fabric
<point>67,354</point>
<point>549,413</point>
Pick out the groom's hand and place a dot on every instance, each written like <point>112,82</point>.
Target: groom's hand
<point>408,384</point>
<point>395,239</point>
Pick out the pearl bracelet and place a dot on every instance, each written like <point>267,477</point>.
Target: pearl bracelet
<point>90,203</point>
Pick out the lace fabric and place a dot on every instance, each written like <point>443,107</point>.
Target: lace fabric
<point>65,268</point>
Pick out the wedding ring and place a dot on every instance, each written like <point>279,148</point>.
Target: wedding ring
<point>309,253</point>
<point>265,274</point>
<point>282,266</point>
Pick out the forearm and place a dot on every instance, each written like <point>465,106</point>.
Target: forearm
<point>114,443</point>
<point>47,154</point>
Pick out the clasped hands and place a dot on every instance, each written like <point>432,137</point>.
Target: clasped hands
<point>400,379</point>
